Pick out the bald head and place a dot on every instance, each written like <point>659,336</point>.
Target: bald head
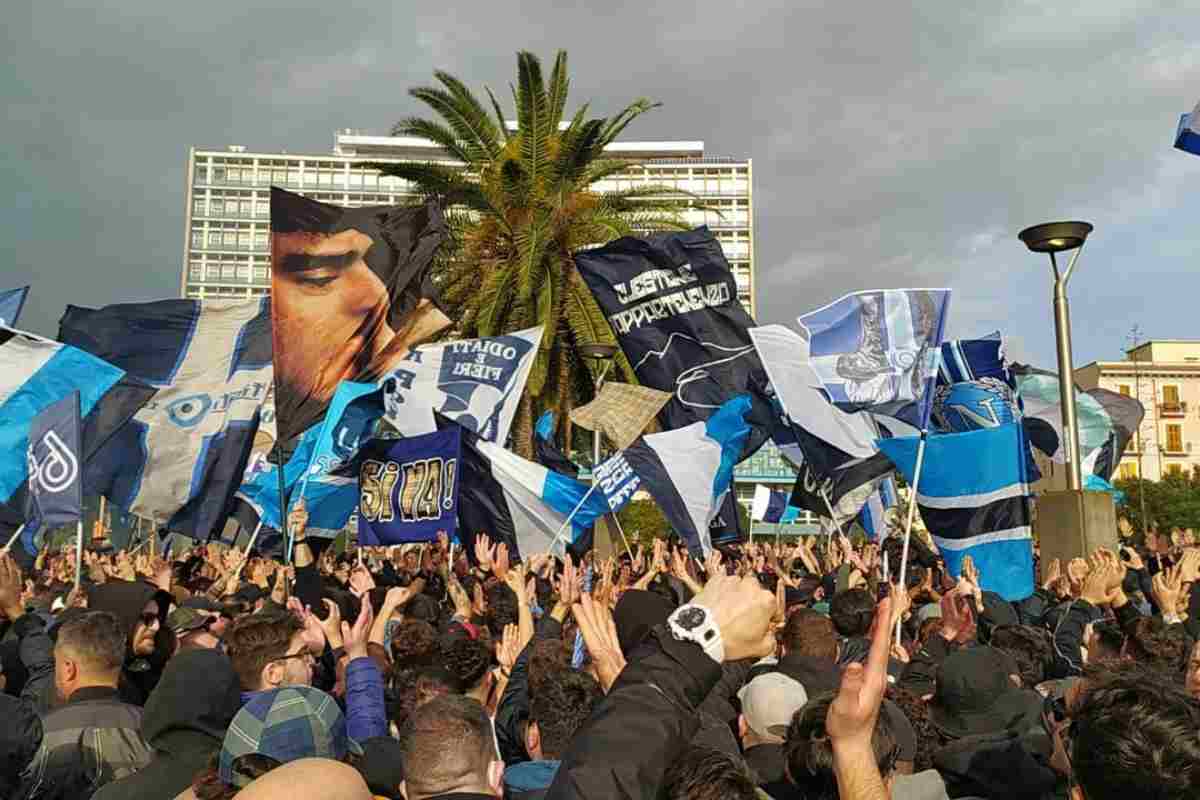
<point>321,778</point>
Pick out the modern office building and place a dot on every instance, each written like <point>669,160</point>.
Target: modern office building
<point>227,245</point>
<point>1165,376</point>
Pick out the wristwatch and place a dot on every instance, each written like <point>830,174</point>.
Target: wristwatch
<point>695,623</point>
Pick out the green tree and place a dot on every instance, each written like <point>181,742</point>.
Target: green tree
<point>1172,502</point>
<point>522,204</point>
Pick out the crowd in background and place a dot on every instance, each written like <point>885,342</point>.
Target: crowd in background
<point>442,671</point>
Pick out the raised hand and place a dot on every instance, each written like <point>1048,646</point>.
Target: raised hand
<point>509,649</point>
<point>744,612</point>
<point>1053,573</point>
<point>600,636</point>
<point>298,520</point>
<point>1167,588</point>
<point>484,552</point>
<point>356,636</point>
<point>332,624</point>
<point>443,542</point>
<point>500,561</point>
<point>361,581</point>
<point>10,588</point>
<point>854,712</point>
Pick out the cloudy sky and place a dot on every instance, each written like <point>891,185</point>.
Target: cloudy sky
<point>892,145</point>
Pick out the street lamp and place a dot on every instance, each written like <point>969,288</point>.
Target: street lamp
<point>603,354</point>
<point>1054,238</point>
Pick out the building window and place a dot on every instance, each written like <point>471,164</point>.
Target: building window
<point>1128,471</point>
<point>1170,397</point>
<point>214,238</point>
<point>1174,438</point>
<point>198,239</point>
<point>1124,389</point>
<point>1174,469</point>
<point>195,270</point>
<point>260,273</point>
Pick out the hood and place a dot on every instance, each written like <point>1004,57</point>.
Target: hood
<point>530,776</point>
<point>198,692</point>
<point>816,675</point>
<point>636,614</point>
<point>997,765</point>
<point>126,599</point>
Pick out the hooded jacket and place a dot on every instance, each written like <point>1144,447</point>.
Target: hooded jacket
<point>185,721</point>
<point>125,600</point>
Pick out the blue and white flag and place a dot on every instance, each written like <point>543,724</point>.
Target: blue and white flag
<point>180,459</point>
<point>408,488</point>
<point>874,514</point>
<point>974,359</point>
<point>55,494</point>
<point>879,349</point>
<point>688,471</point>
<point>519,502</point>
<point>769,505</point>
<point>11,303</point>
<point>314,471</point>
<point>544,450</point>
<point>474,382</point>
<point>36,373</point>
<point>1187,135</point>
<point>974,499</point>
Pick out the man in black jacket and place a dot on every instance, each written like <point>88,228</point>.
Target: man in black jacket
<point>94,738</point>
<point>185,721</point>
<point>141,609</point>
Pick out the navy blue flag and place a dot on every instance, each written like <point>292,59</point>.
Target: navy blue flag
<point>408,488</point>
<point>11,303</point>
<point>769,504</point>
<point>672,301</point>
<point>974,499</point>
<point>55,495</point>
<point>179,460</point>
<point>1187,135</point>
<point>545,451</point>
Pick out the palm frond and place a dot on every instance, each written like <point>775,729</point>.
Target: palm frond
<point>471,127</point>
<point>533,113</point>
<point>434,179</point>
<point>559,85</point>
<point>435,132</point>
<point>474,113</point>
<point>628,114</point>
<point>500,121</point>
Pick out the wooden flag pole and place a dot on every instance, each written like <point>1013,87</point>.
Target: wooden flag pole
<point>912,512</point>
<point>78,552</point>
<point>13,540</point>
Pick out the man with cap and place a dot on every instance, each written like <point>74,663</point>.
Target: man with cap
<point>192,630</point>
<point>997,742</point>
<point>768,703</point>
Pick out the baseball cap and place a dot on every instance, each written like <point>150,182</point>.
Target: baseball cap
<point>186,620</point>
<point>769,701</point>
<point>285,725</point>
<point>201,603</point>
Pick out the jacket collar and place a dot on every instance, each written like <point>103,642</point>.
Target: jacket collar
<point>94,693</point>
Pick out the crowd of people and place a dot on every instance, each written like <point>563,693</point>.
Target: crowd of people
<point>772,670</point>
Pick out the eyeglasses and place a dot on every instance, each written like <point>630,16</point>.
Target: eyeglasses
<point>303,655</point>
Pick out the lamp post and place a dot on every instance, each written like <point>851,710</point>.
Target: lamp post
<point>1135,334</point>
<point>603,354</point>
<point>1053,238</point>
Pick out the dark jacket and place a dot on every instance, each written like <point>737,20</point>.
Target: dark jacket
<point>185,722</point>
<point>20,736</point>
<point>1067,623</point>
<point>513,709</point>
<point>999,766</point>
<point>91,741</point>
<point>125,600</point>
<point>641,726</point>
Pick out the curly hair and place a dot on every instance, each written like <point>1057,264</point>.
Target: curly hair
<point>1032,648</point>
<point>501,609</point>
<point>1154,643</point>
<point>704,773</point>
<point>467,659</point>
<point>563,702</point>
<point>808,749</point>
<point>414,644</point>
<point>915,711</point>
<point>413,688</point>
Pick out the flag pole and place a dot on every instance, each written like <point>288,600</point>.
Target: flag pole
<point>78,551</point>
<point>912,512</point>
<point>12,540</point>
<point>253,539</point>
<point>621,531</point>
<point>832,515</point>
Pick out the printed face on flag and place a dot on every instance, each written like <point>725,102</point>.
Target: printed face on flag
<point>348,295</point>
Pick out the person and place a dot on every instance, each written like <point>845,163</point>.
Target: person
<point>1192,681</point>
<point>768,703</point>
<point>852,612</point>
<point>704,773</point>
<point>275,728</point>
<point>448,751</point>
<point>270,651</point>
<point>469,660</point>
<point>349,296</point>
<point>1133,733</point>
<point>809,755</point>
<point>308,779</point>
<point>192,629</point>
<point>142,610</point>
<point>185,721</point>
<point>564,699</point>
<point>94,738</point>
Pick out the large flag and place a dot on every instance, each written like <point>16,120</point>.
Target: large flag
<point>974,499</point>
<point>11,303</point>
<point>36,373</point>
<point>545,451</point>
<point>672,301</point>
<point>874,516</point>
<point>879,349</point>
<point>315,471</point>
<point>834,451</point>
<point>519,502</point>
<point>409,488</point>
<point>1187,135</point>
<point>351,296</point>
<point>770,505</point>
<point>179,460</point>
<point>688,471</point>
<point>474,382</point>
<point>55,494</point>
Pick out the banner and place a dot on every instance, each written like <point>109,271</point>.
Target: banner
<point>408,488</point>
<point>545,451</point>
<point>672,302</point>
<point>477,383</point>
<point>350,296</point>
<point>1187,135</point>
<point>55,469</point>
<point>181,457</point>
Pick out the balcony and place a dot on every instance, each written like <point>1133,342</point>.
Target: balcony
<point>1172,409</point>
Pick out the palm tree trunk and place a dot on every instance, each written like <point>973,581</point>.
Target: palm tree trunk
<point>523,429</point>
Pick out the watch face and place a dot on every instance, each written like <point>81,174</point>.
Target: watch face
<point>690,618</point>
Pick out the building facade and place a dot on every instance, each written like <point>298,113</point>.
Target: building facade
<point>227,245</point>
<point>1165,376</point>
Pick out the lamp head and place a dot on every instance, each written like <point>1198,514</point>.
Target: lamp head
<point>1055,237</point>
<point>600,352</point>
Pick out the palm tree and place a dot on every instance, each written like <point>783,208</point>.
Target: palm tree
<point>521,203</point>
